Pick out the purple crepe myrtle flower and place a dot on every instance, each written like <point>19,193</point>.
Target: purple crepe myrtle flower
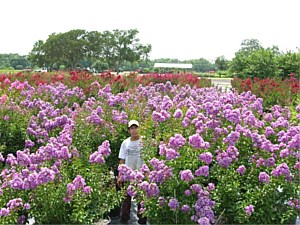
<point>196,188</point>
<point>282,169</point>
<point>241,170</point>
<point>26,206</point>
<point>79,182</point>
<point>11,160</point>
<point>187,192</point>
<point>14,203</point>
<point>191,112</point>
<point>232,138</point>
<point>173,204</point>
<point>166,103</point>
<point>223,159</point>
<point>29,144</point>
<point>210,187</point>
<point>177,141</point>
<point>264,177</point>
<point>161,201</point>
<point>185,122</point>
<point>270,162</point>
<point>145,169</point>
<point>131,191</point>
<point>284,153</point>
<point>177,114</point>
<point>185,208</point>
<point>294,203</point>
<point>203,221</point>
<point>87,189</point>
<point>158,117</point>
<point>104,148</point>
<point>297,166</point>
<point>186,175</point>
<point>171,154</point>
<point>249,210</point>
<point>152,190</point>
<point>143,185</point>
<point>4,212</point>
<point>294,143</point>
<point>202,171</point>
<point>64,153</point>
<point>21,219</point>
<point>1,158</point>
<point>206,157</point>
<point>196,141</point>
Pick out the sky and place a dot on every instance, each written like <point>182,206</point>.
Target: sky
<point>177,29</point>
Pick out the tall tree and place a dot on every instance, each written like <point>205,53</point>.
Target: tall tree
<point>221,63</point>
<point>122,45</point>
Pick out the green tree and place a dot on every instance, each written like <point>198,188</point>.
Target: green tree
<point>37,54</point>
<point>61,49</point>
<point>221,63</point>
<point>119,46</point>
<point>289,63</point>
<point>252,60</point>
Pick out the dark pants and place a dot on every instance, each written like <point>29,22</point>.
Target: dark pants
<point>125,211</point>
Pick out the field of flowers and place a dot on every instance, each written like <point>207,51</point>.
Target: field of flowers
<point>211,157</point>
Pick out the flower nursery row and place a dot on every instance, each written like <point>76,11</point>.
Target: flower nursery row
<point>212,157</point>
<point>274,91</point>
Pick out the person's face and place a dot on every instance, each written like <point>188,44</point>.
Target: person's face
<point>133,131</point>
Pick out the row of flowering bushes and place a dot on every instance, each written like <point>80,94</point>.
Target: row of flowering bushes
<point>118,83</point>
<point>274,91</point>
<point>211,157</point>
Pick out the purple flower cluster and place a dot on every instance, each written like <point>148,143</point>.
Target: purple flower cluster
<point>202,171</point>
<point>177,141</point>
<point>103,151</point>
<point>78,184</point>
<point>264,177</point>
<point>249,210</point>
<point>197,142</point>
<point>226,158</point>
<point>161,172</point>
<point>186,175</point>
<point>151,189</point>
<point>206,157</point>
<point>204,209</point>
<point>120,117</point>
<point>177,114</point>
<point>281,170</point>
<point>173,204</point>
<point>241,170</point>
<point>232,138</point>
<point>170,153</point>
<point>160,116</point>
<point>14,205</point>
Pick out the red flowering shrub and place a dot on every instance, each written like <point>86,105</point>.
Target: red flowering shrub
<point>272,91</point>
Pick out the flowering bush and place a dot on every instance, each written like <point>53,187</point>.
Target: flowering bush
<point>216,158</point>
<point>273,91</point>
<point>210,157</point>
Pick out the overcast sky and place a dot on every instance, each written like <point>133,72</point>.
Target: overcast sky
<point>182,29</point>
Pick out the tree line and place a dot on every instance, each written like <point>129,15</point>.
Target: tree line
<point>121,50</point>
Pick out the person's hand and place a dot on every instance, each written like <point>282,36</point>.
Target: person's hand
<point>119,182</point>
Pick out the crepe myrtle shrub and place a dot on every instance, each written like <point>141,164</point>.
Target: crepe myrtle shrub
<point>55,185</point>
<point>217,158</point>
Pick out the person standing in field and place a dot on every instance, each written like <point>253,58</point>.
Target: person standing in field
<point>130,155</point>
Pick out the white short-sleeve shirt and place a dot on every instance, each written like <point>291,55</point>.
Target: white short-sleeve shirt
<point>130,151</point>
